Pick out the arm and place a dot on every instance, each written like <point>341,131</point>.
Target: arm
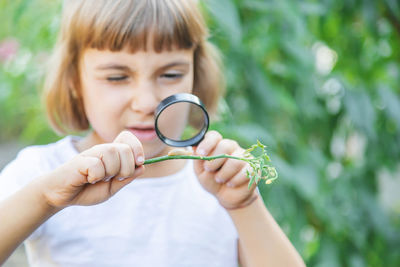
<point>21,214</point>
<point>84,180</point>
<point>261,240</point>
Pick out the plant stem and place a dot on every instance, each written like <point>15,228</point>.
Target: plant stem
<point>158,159</point>
<point>260,169</point>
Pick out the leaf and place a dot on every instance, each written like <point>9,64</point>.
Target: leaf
<point>227,16</point>
<point>391,104</point>
<point>252,179</point>
<point>359,107</point>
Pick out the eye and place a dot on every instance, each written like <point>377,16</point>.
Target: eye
<point>171,76</point>
<point>117,78</point>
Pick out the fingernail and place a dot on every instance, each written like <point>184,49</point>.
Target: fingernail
<point>201,152</point>
<point>229,184</point>
<point>108,178</point>
<point>140,160</point>
<point>122,178</point>
<point>219,180</point>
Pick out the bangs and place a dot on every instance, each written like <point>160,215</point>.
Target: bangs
<point>125,24</point>
<point>135,25</point>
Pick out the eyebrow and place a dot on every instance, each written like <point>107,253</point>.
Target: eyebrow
<point>126,68</point>
<point>112,67</point>
<point>173,64</point>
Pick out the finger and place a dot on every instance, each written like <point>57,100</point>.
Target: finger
<point>127,161</point>
<point>90,167</point>
<point>229,169</point>
<point>130,139</point>
<point>207,180</point>
<point>117,184</point>
<point>210,141</point>
<point>240,178</point>
<point>109,155</point>
<point>225,146</point>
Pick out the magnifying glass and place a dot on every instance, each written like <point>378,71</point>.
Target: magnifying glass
<point>181,120</point>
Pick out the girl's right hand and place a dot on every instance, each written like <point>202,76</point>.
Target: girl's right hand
<point>94,175</point>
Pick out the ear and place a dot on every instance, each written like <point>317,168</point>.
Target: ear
<point>73,92</point>
<point>72,85</point>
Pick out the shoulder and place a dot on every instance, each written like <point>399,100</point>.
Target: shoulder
<point>31,162</point>
<point>38,155</point>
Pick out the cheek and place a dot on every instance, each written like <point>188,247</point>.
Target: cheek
<point>102,102</point>
<point>188,81</point>
<point>103,108</point>
<point>183,86</point>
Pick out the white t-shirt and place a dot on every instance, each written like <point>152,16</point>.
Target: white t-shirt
<point>165,221</point>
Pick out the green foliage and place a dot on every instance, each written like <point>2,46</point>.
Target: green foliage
<point>32,25</point>
<point>317,81</point>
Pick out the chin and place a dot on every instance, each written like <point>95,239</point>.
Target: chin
<point>154,149</point>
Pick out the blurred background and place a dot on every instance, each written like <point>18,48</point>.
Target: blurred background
<point>318,82</point>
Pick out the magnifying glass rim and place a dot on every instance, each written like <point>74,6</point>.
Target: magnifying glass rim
<point>176,98</point>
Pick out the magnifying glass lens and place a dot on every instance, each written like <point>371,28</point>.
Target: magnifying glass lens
<point>181,121</point>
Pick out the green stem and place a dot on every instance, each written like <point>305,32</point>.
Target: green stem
<point>158,159</point>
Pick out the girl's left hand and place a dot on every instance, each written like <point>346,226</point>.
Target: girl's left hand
<point>224,178</point>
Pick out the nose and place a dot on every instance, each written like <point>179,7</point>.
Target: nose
<point>144,100</point>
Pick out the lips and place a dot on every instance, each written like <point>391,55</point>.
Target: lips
<point>143,132</point>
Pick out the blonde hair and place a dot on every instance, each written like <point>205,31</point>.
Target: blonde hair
<point>117,24</point>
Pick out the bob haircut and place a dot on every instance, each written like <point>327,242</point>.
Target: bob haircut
<point>115,25</point>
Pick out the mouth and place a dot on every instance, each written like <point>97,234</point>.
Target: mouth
<point>143,132</point>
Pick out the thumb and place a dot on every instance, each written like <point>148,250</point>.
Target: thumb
<point>117,184</point>
<point>198,165</point>
<point>126,137</point>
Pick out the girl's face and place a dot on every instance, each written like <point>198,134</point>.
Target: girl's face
<point>121,90</point>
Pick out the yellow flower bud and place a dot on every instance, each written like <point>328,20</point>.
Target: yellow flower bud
<point>180,152</point>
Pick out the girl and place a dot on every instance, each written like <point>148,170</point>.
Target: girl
<point>113,63</point>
